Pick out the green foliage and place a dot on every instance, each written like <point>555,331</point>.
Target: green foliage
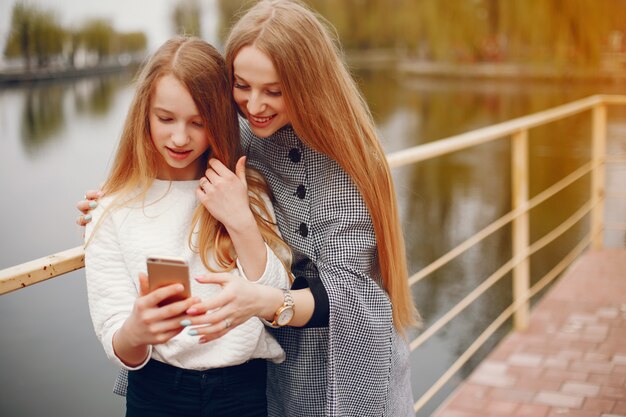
<point>98,35</point>
<point>132,42</point>
<point>186,18</point>
<point>527,31</point>
<point>37,36</point>
<point>229,11</point>
<point>34,34</point>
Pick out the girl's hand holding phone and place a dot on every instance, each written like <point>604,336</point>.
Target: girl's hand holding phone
<point>225,194</point>
<point>149,324</point>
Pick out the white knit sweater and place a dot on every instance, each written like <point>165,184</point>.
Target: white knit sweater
<point>117,253</point>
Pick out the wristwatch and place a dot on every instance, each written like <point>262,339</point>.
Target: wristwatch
<point>284,314</point>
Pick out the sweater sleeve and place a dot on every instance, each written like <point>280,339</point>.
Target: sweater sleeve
<point>111,290</point>
<point>274,275</point>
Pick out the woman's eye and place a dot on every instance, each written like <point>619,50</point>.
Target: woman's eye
<point>241,86</point>
<point>198,124</point>
<point>164,119</point>
<point>275,93</point>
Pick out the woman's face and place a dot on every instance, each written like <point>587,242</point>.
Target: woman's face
<point>257,92</point>
<point>177,131</point>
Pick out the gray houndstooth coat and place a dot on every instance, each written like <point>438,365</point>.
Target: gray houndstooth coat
<point>358,365</point>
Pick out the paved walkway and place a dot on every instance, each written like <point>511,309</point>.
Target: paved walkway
<point>571,362</point>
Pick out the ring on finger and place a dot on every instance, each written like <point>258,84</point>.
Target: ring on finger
<point>227,323</point>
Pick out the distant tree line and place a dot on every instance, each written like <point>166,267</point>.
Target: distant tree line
<point>37,36</point>
<point>529,31</point>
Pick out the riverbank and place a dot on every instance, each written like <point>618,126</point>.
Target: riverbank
<point>616,72</point>
<point>505,71</point>
<point>378,59</point>
<point>16,77</point>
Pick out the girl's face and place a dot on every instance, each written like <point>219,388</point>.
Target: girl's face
<point>257,92</point>
<point>177,131</point>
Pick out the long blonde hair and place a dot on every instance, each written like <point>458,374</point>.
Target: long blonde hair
<point>329,114</point>
<point>201,69</point>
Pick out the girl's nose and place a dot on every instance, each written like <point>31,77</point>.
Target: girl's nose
<point>180,137</point>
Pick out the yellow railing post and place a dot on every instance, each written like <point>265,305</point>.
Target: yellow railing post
<point>520,226</point>
<point>598,155</point>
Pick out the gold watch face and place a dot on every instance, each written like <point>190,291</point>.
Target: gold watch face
<point>284,316</point>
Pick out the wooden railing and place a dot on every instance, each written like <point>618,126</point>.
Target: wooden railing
<point>517,130</point>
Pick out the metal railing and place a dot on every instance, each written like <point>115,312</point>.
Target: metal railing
<point>517,130</point>
<point>519,264</point>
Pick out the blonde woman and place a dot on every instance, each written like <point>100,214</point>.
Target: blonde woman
<point>307,129</point>
<point>180,117</point>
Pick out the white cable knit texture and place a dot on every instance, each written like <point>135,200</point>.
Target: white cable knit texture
<point>117,252</point>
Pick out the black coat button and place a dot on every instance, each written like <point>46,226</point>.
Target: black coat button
<point>303,230</point>
<point>301,191</point>
<point>294,155</point>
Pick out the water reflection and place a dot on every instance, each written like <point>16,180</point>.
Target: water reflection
<point>95,96</point>
<point>48,107</point>
<point>42,117</point>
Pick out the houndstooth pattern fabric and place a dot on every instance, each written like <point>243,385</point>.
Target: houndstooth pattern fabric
<point>359,365</point>
<point>348,368</point>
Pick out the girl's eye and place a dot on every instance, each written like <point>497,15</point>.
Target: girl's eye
<point>240,86</point>
<point>275,93</point>
<point>198,124</point>
<point>164,119</point>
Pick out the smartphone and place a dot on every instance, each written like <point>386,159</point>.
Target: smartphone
<point>164,271</point>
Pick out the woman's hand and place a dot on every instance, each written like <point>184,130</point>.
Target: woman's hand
<point>85,206</point>
<point>225,194</point>
<point>149,324</point>
<point>238,301</point>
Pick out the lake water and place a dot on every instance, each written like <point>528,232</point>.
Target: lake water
<point>58,140</point>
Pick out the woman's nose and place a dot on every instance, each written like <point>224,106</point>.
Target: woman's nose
<point>255,104</point>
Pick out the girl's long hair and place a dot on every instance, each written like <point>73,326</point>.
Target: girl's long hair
<point>329,114</point>
<point>201,69</point>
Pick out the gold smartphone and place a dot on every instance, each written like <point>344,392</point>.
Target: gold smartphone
<point>163,271</point>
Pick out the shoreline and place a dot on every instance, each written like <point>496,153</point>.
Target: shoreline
<point>376,60</point>
<point>483,70</point>
<point>506,71</point>
<point>12,78</point>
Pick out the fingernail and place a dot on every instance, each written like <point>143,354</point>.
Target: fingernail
<point>87,217</point>
<point>192,311</point>
<point>100,193</point>
<point>93,204</point>
<point>203,340</point>
<point>185,323</point>
<point>192,332</point>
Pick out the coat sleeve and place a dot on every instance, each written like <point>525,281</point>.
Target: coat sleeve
<point>360,318</point>
<point>111,290</point>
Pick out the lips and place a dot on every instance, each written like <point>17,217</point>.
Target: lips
<point>178,153</point>
<point>260,121</point>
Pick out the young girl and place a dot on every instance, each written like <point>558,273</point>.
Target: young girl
<point>182,115</point>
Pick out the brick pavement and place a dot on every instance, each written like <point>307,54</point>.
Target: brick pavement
<point>570,362</point>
